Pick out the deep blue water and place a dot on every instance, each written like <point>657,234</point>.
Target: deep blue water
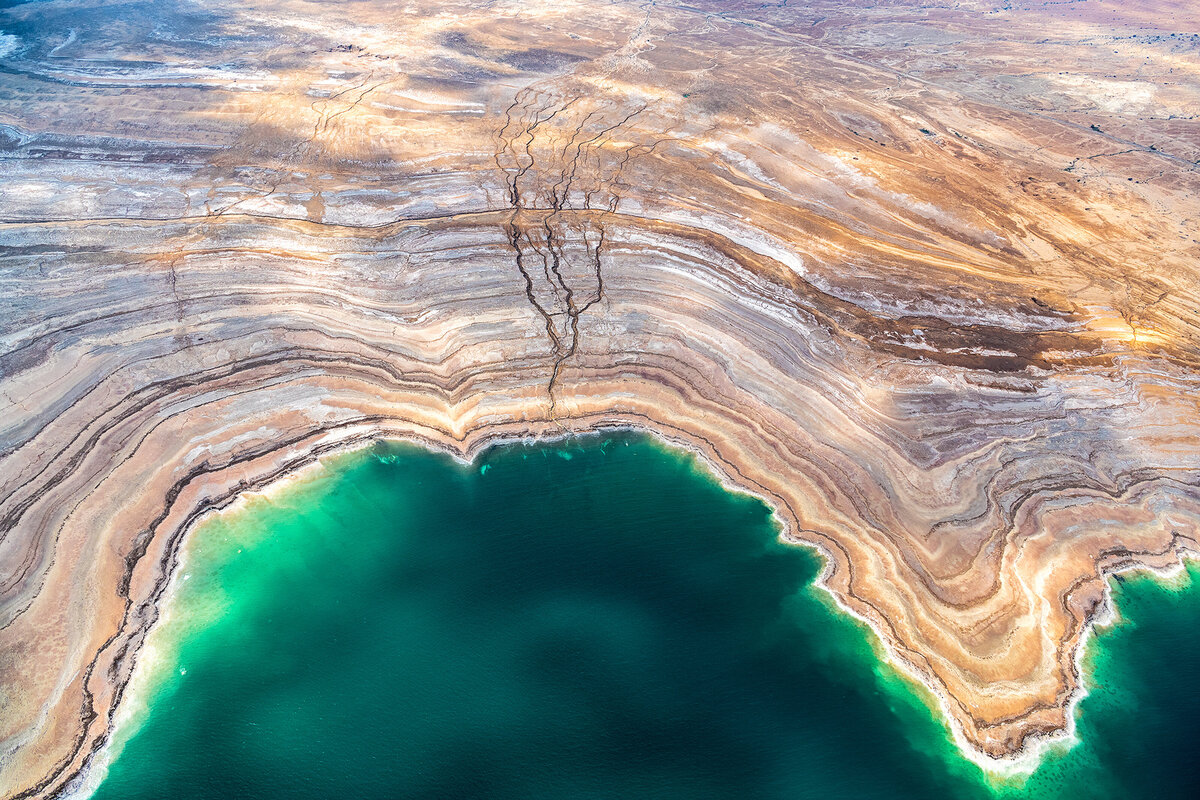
<point>595,618</point>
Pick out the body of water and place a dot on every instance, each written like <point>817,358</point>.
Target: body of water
<point>593,618</point>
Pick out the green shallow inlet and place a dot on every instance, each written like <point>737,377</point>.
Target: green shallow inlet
<point>595,618</point>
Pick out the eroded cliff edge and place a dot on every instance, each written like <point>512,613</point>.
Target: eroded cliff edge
<point>923,278</point>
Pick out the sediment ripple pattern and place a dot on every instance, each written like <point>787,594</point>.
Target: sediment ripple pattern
<point>945,323</point>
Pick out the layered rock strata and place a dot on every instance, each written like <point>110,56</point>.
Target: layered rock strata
<point>924,279</point>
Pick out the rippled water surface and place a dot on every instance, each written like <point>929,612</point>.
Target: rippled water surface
<point>594,618</point>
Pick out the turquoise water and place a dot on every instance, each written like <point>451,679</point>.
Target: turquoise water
<point>595,618</point>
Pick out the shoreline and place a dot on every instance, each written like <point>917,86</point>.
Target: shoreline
<point>1020,765</point>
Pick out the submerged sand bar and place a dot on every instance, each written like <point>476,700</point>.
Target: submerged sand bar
<point>942,319</point>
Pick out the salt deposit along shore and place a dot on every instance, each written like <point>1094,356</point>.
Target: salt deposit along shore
<point>942,320</point>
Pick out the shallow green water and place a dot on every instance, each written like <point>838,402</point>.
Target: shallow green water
<point>592,619</point>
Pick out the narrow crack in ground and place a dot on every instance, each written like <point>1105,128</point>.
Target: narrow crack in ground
<point>537,227</point>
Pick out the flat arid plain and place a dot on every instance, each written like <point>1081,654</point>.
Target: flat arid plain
<point>923,276</point>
